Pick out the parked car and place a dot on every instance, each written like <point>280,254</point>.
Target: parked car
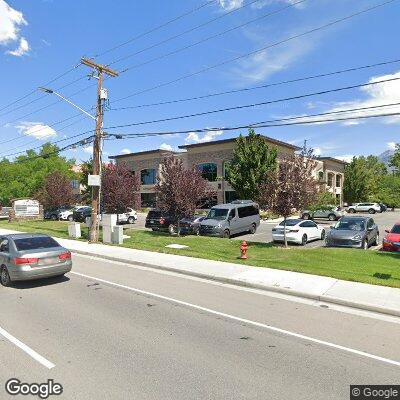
<point>158,220</point>
<point>67,215</point>
<point>391,241</point>
<point>358,232</point>
<point>129,217</point>
<point>81,213</point>
<point>31,256</point>
<point>225,220</point>
<point>370,208</point>
<point>191,225</point>
<point>54,213</point>
<point>383,207</point>
<point>298,231</point>
<point>333,213</point>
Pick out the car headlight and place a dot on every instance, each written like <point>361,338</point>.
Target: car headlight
<point>357,237</point>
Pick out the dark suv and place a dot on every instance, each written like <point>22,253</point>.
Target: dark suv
<point>80,214</point>
<point>158,220</point>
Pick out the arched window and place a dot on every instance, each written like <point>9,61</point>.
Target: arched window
<point>208,171</point>
<point>148,176</point>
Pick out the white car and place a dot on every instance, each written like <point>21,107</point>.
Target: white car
<point>370,208</point>
<point>66,215</point>
<point>129,217</point>
<point>298,231</point>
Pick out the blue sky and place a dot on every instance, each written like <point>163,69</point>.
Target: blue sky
<point>42,39</point>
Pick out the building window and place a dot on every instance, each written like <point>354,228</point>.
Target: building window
<point>148,176</point>
<point>321,175</point>
<point>148,199</point>
<point>208,171</point>
<point>338,180</point>
<point>330,180</point>
<point>226,169</point>
<point>75,184</point>
<point>230,195</point>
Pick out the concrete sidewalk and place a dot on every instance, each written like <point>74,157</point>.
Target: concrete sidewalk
<point>353,294</point>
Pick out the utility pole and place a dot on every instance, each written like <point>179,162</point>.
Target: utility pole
<point>97,143</point>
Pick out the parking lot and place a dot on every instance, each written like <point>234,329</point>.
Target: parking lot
<point>264,232</point>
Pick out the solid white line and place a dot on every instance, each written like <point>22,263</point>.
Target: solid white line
<point>36,356</point>
<point>247,321</point>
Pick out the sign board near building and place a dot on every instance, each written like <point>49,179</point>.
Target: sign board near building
<point>26,208</point>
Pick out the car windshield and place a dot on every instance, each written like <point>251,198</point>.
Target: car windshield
<point>396,229</point>
<point>290,222</point>
<point>351,225</point>
<point>217,213</point>
<point>37,242</point>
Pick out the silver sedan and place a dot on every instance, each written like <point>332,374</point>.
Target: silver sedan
<point>31,256</point>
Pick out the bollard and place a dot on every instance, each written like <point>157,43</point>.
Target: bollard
<point>243,249</point>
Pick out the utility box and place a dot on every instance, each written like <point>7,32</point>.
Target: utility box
<point>107,234</point>
<point>109,219</point>
<point>74,230</point>
<point>118,235</point>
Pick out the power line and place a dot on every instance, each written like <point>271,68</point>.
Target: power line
<point>255,104</point>
<point>201,26</point>
<point>365,10</point>
<point>260,86</point>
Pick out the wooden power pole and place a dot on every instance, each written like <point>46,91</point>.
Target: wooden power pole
<point>97,144</point>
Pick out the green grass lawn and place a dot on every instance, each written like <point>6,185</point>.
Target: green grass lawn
<point>349,264</point>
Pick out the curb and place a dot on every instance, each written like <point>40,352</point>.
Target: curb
<point>276,289</point>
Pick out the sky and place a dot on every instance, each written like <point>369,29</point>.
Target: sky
<point>179,49</point>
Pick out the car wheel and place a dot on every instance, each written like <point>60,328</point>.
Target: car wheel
<point>131,220</point>
<point>376,240</point>
<point>253,229</point>
<point>304,240</point>
<point>226,234</point>
<point>323,234</point>
<point>364,244</point>
<point>53,217</point>
<point>352,210</point>
<point>371,211</point>
<point>332,217</point>
<point>305,216</point>
<point>4,276</point>
<point>70,218</point>
<point>171,229</point>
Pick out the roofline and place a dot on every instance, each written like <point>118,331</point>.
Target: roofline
<point>332,159</point>
<point>275,141</point>
<point>140,153</point>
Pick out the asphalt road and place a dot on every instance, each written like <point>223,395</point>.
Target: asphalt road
<point>112,331</point>
<point>264,232</point>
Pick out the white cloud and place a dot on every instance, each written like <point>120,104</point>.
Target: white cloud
<point>194,137</point>
<point>391,145</point>
<point>88,149</point>
<point>38,130</point>
<point>22,49</point>
<point>229,5</point>
<point>317,151</point>
<point>125,151</point>
<point>11,22</point>
<point>261,4</point>
<point>348,157</point>
<point>165,146</point>
<point>374,95</point>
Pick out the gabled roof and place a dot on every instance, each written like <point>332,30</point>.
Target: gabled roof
<point>332,159</point>
<point>157,151</point>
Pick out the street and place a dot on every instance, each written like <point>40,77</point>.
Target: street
<point>264,232</point>
<point>110,330</point>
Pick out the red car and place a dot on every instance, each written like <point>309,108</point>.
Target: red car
<point>391,242</point>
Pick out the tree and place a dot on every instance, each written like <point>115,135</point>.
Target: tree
<point>57,191</point>
<point>395,159</point>
<point>25,176</point>
<point>86,170</point>
<point>361,179</point>
<point>291,186</point>
<point>179,190</point>
<point>322,201</point>
<point>252,160</point>
<point>389,189</point>
<point>120,188</point>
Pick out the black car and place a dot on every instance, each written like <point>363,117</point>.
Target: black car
<point>191,225</point>
<point>54,212</point>
<point>383,207</point>
<point>158,220</point>
<point>80,214</point>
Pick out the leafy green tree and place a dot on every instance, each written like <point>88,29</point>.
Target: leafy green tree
<point>25,176</point>
<point>389,189</point>
<point>322,201</point>
<point>252,161</point>
<point>361,179</point>
<point>86,170</point>
<point>395,159</point>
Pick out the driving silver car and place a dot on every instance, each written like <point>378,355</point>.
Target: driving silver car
<point>31,256</point>
<point>333,213</point>
<point>357,232</point>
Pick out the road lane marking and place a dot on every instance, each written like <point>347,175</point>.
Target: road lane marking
<point>36,356</point>
<point>246,321</point>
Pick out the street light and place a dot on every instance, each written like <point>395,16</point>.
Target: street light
<point>50,91</point>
